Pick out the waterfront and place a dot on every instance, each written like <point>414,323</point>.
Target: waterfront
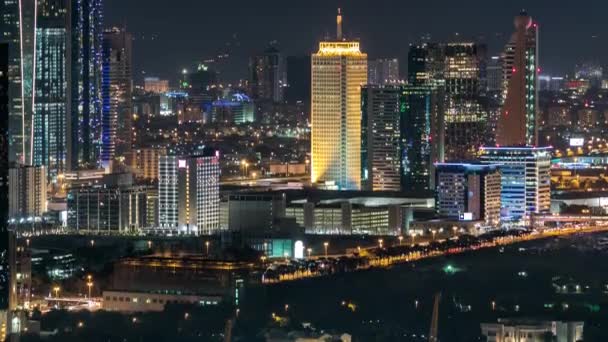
<point>395,304</point>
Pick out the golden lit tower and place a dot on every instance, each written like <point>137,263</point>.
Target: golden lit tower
<point>339,69</point>
<point>517,125</point>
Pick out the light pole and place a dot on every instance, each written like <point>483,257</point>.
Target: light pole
<point>207,247</point>
<point>413,235</point>
<point>400,239</point>
<point>380,243</point>
<point>56,289</point>
<point>90,285</point>
<point>92,243</point>
<point>309,250</point>
<point>326,244</point>
<point>434,232</point>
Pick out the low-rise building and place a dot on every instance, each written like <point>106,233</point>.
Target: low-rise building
<point>468,192</point>
<point>532,331</point>
<point>133,301</point>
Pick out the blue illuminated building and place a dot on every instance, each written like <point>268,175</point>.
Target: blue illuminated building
<point>84,81</point>
<point>525,180</point>
<point>238,109</point>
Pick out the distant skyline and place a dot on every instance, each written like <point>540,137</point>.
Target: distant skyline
<point>172,35</point>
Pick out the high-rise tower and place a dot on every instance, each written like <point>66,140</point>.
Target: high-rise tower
<point>49,120</point>
<point>18,29</point>
<point>518,122</point>
<point>339,69</point>
<point>84,83</point>
<point>116,93</point>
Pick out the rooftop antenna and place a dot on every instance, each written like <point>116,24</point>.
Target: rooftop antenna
<point>339,25</point>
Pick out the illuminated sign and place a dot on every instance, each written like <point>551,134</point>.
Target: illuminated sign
<point>466,217</point>
<point>576,142</point>
<point>181,164</point>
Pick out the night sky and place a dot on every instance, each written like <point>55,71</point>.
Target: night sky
<point>170,35</point>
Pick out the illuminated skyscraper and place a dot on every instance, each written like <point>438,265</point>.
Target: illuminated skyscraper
<point>465,116</point>
<point>51,87</point>
<point>518,122</point>
<point>401,136</point>
<point>189,194</point>
<point>84,83</point>
<point>525,180</point>
<point>422,136</point>
<point>18,29</point>
<point>4,166</point>
<point>116,92</point>
<point>380,138</point>
<point>339,69</point>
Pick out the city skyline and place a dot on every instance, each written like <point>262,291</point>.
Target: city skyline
<point>385,29</point>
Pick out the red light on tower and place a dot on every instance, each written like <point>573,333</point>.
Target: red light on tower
<point>513,70</point>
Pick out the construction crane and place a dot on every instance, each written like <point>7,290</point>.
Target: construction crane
<point>435,319</point>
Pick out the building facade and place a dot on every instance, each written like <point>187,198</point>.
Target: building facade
<point>49,126</point>
<point>339,69</point>
<point>518,121</point>
<point>188,190</point>
<point>383,71</point>
<point>267,75</point>
<point>468,192</point>
<point>525,178</point>
<point>116,95</point>
<point>118,209</point>
<point>380,138</point>
<point>422,136</point>
<point>146,162</point>
<point>84,70</point>
<point>27,192</point>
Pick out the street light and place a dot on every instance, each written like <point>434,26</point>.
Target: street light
<point>92,243</point>
<point>90,285</point>
<point>309,250</point>
<point>326,244</point>
<point>400,239</point>
<point>207,247</point>
<point>149,244</point>
<point>434,232</point>
<point>380,242</point>
<point>56,289</point>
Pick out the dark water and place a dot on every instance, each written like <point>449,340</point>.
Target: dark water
<point>396,304</point>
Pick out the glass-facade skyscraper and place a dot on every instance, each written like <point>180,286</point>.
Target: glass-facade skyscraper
<point>422,135</point>
<point>117,89</point>
<point>380,138</point>
<point>84,83</point>
<point>525,179</point>
<point>51,85</point>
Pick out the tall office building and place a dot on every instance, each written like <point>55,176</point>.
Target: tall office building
<point>188,194</point>
<point>297,89</point>
<point>5,272</point>
<point>18,29</point>
<point>380,138</point>
<point>49,126</point>
<point>116,93</point>
<point>425,64</point>
<point>465,116</point>
<point>339,69</point>
<point>383,71</point>
<point>267,75</point>
<point>27,191</point>
<point>518,122</point>
<point>460,69</point>
<point>468,192</point>
<point>422,135</point>
<point>525,179</point>
<point>83,69</point>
